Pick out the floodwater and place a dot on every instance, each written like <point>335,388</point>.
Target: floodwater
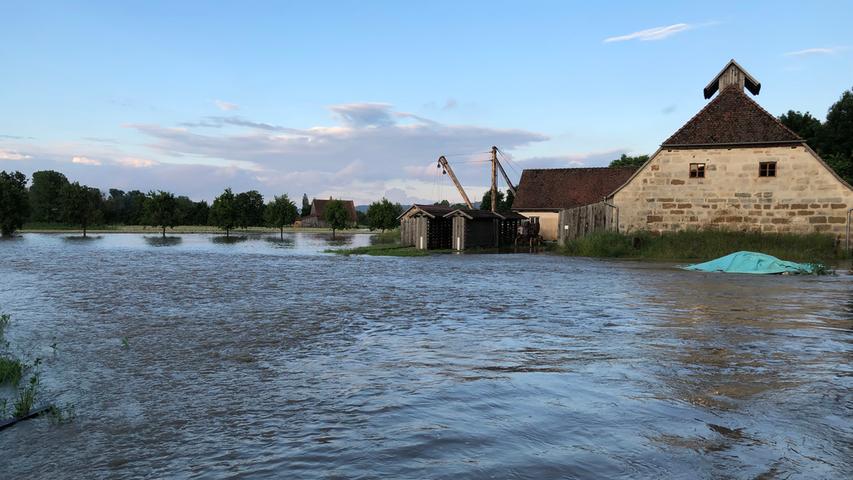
<point>268,359</point>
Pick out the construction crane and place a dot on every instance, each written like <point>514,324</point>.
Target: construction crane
<point>442,163</point>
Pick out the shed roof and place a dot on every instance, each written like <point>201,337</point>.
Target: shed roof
<point>430,211</point>
<point>472,214</point>
<point>558,188</point>
<point>318,208</point>
<point>732,119</point>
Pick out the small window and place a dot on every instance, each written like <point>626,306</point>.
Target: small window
<point>767,169</point>
<point>697,170</point>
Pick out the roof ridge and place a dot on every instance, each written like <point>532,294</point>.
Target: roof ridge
<point>730,94</point>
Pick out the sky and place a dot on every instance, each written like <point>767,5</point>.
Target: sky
<point>357,100</point>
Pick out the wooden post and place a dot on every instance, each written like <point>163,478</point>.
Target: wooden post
<point>494,179</point>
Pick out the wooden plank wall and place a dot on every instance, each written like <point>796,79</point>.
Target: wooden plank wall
<point>581,221</point>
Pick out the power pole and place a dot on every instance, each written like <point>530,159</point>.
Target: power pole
<point>494,178</point>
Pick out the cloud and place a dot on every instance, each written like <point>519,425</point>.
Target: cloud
<point>364,114</point>
<point>450,104</point>
<point>369,150</point>
<point>586,159</point>
<point>816,51</point>
<point>134,162</point>
<point>81,160</point>
<point>656,33</point>
<point>12,155</point>
<point>226,106</point>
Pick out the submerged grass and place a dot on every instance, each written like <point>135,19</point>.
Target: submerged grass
<point>11,371</point>
<point>705,245</point>
<point>26,398</point>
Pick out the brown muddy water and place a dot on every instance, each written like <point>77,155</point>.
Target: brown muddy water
<point>268,359</point>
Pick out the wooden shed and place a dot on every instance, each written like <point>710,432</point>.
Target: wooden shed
<point>425,227</point>
<point>483,229</point>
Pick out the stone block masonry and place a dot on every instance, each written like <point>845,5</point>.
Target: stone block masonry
<point>803,197</point>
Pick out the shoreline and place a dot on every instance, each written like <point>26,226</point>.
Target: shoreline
<point>188,229</point>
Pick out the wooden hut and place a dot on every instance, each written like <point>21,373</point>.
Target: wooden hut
<point>425,227</point>
<point>483,228</point>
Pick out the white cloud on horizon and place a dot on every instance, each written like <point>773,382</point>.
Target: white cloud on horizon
<point>81,160</point>
<point>12,155</point>
<point>650,34</point>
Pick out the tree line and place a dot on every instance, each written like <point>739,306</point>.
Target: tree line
<point>53,199</point>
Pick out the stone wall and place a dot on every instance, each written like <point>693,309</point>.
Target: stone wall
<point>803,197</point>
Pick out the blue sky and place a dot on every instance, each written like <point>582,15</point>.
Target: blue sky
<point>358,99</point>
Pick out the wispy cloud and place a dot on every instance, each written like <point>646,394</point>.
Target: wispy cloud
<point>656,33</point>
<point>81,160</point>
<point>226,106</point>
<point>816,51</point>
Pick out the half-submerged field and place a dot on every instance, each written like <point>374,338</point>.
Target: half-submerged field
<point>200,357</point>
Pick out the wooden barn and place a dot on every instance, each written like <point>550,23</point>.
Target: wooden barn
<point>318,209</point>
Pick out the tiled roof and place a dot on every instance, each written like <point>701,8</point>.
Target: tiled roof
<point>557,188</point>
<point>732,118</point>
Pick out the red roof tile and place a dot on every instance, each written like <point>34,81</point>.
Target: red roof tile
<point>556,188</point>
<point>318,208</point>
<point>732,118</point>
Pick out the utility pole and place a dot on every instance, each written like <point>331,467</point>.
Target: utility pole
<point>494,178</point>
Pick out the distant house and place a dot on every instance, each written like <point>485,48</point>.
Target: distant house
<point>543,193</point>
<point>734,166</point>
<point>318,209</point>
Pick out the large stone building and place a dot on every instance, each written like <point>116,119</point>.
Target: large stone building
<point>734,166</point>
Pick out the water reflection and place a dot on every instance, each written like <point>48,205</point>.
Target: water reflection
<point>228,240</point>
<point>279,242</point>
<point>161,241</point>
<point>81,238</point>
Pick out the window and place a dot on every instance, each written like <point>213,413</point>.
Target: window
<point>766,169</point>
<point>697,170</point>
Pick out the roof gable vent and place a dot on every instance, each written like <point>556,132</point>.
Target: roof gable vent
<point>732,74</point>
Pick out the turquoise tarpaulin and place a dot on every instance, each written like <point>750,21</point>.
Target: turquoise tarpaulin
<point>751,262</point>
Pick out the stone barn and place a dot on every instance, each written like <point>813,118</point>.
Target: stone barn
<point>734,166</point>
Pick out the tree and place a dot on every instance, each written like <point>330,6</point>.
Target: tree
<point>280,212</point>
<point>200,213</point>
<point>45,201</point>
<point>306,205</point>
<point>336,216</point>
<point>832,139</point>
<point>250,209</point>
<point>81,205</point>
<point>626,161</point>
<point>161,210</point>
<point>14,202</point>
<point>223,212</point>
<point>382,215</point>
<point>804,125</point>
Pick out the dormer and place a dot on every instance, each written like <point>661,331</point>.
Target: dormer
<point>732,75</point>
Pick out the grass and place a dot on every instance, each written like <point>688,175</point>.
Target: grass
<point>26,398</point>
<point>705,245</point>
<point>11,371</point>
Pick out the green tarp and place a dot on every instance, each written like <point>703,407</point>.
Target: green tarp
<point>751,262</point>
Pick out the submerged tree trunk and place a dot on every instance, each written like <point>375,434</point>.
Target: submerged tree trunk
<point>227,233</point>
<point>164,232</point>
<point>84,231</point>
<point>282,232</point>
<point>333,234</point>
